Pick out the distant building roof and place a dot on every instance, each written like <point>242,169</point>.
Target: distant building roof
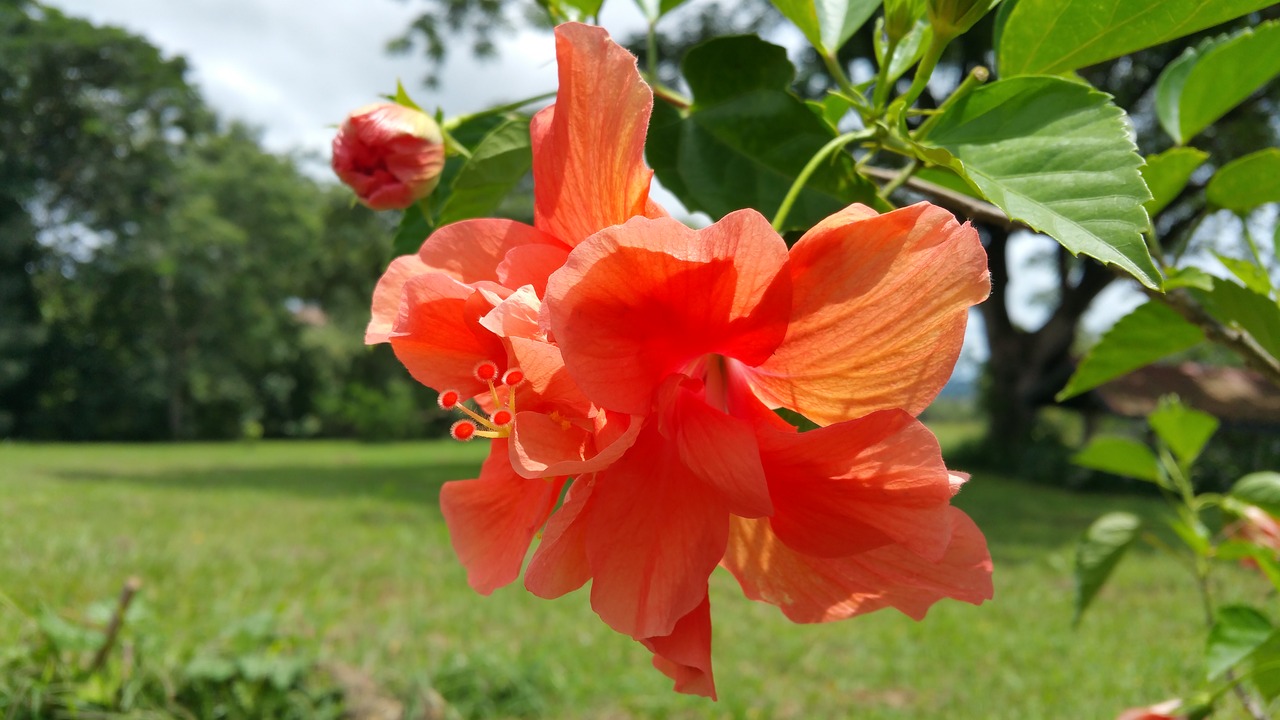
<point>1228,393</point>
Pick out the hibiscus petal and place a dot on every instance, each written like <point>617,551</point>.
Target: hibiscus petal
<point>389,293</point>
<point>472,250</point>
<point>547,386</point>
<point>640,301</point>
<point>880,304</point>
<point>493,519</point>
<point>811,590</point>
<point>685,654</point>
<point>722,451</point>
<point>559,565</point>
<point>588,149</point>
<point>531,265</point>
<point>438,335</point>
<point>542,445</point>
<point>859,485</point>
<point>654,534</point>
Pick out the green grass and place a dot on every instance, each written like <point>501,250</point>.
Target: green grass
<point>346,542</point>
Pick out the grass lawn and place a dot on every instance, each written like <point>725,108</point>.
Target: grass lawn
<point>345,541</point>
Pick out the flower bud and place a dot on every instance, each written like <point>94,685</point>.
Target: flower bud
<point>952,18</point>
<point>900,17</point>
<point>389,154</point>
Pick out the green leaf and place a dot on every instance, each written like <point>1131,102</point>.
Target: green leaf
<point>412,231</point>
<point>1261,489</point>
<point>1264,668</point>
<point>729,67</point>
<point>495,167</point>
<point>1185,430</point>
<point>1207,81</point>
<point>1149,333</point>
<point>1056,36</point>
<point>1101,548</point>
<point>831,109</point>
<point>1241,307</point>
<point>906,53</point>
<point>1188,277</point>
<point>654,9</point>
<point>1057,156</point>
<point>587,8</point>
<point>1238,631</point>
<point>716,163</point>
<point>1255,278</point>
<point>402,98</point>
<point>1119,456</point>
<point>1167,173</point>
<point>1245,183</point>
<point>827,24</point>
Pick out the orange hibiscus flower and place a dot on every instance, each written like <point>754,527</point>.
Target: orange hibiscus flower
<point>461,314</point>
<point>702,332</point>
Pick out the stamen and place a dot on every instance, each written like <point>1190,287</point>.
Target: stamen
<point>501,417</point>
<point>449,399</point>
<point>512,377</point>
<point>486,371</point>
<point>463,430</point>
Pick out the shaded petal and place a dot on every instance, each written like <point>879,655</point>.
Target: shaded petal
<point>858,485</point>
<point>880,304</point>
<point>588,148</point>
<point>547,386</point>
<point>640,301</point>
<point>654,534</point>
<point>542,445</point>
<point>559,565</point>
<point>438,335</point>
<point>685,654</point>
<point>389,294</point>
<point>811,590</point>
<point>531,265</point>
<point>493,519</point>
<point>472,250</point>
<point>722,451</point>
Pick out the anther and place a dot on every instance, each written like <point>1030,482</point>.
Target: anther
<point>486,371</point>
<point>463,430</point>
<point>449,399</point>
<point>512,377</point>
<point>501,417</point>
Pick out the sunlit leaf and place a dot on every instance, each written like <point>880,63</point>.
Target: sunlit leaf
<point>1167,173</point>
<point>1101,548</point>
<point>1247,182</point>
<point>495,167</point>
<point>1057,156</point>
<point>1055,36</point>
<point>827,24</point>
<point>1238,631</point>
<point>1238,306</point>
<point>1207,81</point>
<point>1254,277</point>
<point>1185,430</point>
<point>1149,333</point>
<point>1261,489</point>
<point>1119,456</point>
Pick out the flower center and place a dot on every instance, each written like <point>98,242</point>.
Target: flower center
<point>498,423</point>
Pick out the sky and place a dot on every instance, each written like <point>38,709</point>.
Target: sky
<point>294,69</point>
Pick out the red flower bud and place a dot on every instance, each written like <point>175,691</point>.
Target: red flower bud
<point>389,154</point>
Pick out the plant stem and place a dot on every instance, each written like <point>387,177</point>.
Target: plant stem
<point>837,73</point>
<point>887,189</point>
<point>976,77</point>
<point>651,51</point>
<point>881,94</point>
<point>924,71</point>
<point>827,150</point>
<point>131,587</point>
